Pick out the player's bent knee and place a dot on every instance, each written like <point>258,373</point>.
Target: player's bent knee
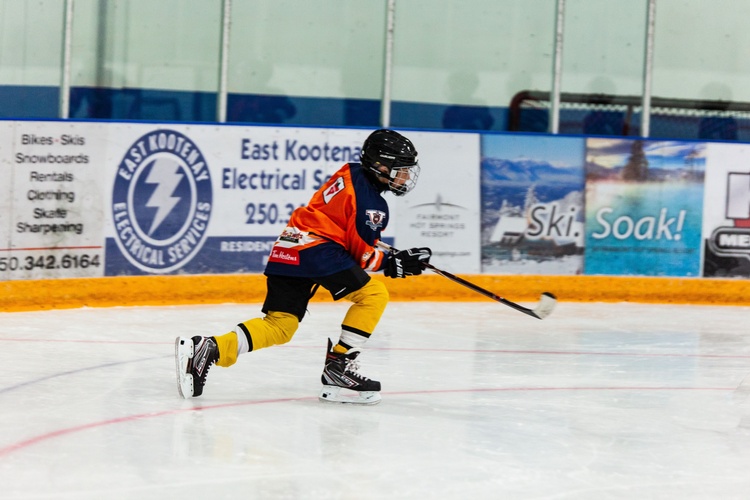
<point>374,293</point>
<point>273,329</point>
<point>284,324</point>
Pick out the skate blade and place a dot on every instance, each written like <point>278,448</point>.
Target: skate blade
<point>333,394</point>
<point>183,353</point>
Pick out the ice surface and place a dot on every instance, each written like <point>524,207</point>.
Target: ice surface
<point>597,401</point>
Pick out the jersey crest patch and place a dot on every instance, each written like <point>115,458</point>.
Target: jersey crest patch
<point>375,219</point>
<point>291,235</point>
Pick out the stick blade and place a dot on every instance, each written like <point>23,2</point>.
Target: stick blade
<point>547,303</point>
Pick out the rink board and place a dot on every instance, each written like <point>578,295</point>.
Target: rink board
<point>160,290</point>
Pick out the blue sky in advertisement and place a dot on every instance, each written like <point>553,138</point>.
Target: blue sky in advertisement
<point>668,155</point>
<point>557,151</point>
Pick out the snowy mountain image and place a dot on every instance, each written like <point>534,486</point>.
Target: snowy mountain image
<point>532,207</point>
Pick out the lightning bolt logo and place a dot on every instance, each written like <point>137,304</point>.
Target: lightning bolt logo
<point>164,173</point>
<point>164,189</point>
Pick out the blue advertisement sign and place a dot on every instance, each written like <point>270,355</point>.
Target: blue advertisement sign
<point>161,202</point>
<point>644,207</point>
<point>532,204</point>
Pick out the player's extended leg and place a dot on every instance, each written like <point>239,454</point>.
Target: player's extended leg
<point>284,307</point>
<point>341,366</point>
<point>195,356</point>
<point>273,329</point>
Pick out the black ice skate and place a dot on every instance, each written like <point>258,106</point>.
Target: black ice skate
<point>340,372</point>
<point>194,357</point>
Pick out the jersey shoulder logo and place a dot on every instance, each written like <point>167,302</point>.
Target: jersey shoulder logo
<point>161,201</point>
<point>334,189</point>
<point>375,219</point>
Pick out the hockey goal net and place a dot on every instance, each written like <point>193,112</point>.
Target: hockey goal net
<point>605,114</point>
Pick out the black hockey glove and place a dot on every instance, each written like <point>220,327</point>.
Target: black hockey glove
<point>409,262</point>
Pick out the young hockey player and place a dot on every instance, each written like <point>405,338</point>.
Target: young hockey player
<point>330,242</point>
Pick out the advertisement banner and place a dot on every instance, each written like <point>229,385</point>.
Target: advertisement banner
<point>212,199</point>
<point>644,207</point>
<point>726,212</point>
<point>442,212</point>
<point>532,204</point>
<point>86,199</point>
<point>6,190</point>
<point>53,215</point>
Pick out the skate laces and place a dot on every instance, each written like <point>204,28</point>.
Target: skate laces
<point>352,365</point>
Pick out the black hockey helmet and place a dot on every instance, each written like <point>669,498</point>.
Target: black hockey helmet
<point>388,148</point>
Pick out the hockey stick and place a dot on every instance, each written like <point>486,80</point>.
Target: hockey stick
<point>546,304</point>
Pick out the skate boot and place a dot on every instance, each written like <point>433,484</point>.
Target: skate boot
<point>342,383</point>
<point>194,357</point>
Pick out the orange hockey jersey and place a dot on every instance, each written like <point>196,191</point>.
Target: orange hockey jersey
<point>336,230</point>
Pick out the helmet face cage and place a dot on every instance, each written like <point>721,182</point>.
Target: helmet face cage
<point>398,187</point>
<point>387,148</point>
